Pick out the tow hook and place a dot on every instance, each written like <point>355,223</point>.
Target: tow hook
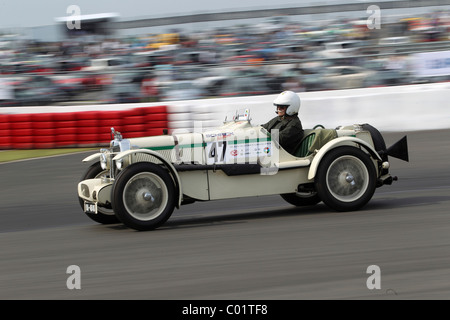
<point>386,180</point>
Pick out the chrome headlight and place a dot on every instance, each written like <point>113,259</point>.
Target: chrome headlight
<point>103,161</point>
<point>119,164</point>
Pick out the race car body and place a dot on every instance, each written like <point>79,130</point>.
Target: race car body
<point>140,181</point>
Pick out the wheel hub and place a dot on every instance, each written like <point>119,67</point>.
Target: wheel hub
<point>350,179</point>
<point>148,196</point>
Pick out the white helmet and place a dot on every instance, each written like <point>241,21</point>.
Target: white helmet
<point>289,99</point>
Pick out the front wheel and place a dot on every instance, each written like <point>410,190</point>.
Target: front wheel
<point>346,179</point>
<point>143,196</point>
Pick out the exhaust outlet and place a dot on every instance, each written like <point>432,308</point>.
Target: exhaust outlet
<point>398,150</point>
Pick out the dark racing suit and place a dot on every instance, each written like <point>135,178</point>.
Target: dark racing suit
<point>290,131</point>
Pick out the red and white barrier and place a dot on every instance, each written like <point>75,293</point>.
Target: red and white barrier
<point>78,129</point>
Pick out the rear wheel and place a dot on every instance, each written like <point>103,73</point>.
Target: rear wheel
<point>346,179</point>
<point>104,215</point>
<point>143,196</point>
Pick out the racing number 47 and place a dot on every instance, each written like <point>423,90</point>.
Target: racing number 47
<point>217,151</point>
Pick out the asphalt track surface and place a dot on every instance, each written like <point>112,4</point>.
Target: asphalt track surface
<point>255,248</point>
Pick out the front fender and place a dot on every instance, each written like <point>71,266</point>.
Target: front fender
<point>341,141</point>
<point>92,157</point>
<point>169,166</point>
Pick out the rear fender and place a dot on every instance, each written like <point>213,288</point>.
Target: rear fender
<point>338,142</point>
<point>169,166</point>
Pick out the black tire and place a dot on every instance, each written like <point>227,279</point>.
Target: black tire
<point>143,196</point>
<point>301,200</point>
<point>346,179</point>
<point>104,215</point>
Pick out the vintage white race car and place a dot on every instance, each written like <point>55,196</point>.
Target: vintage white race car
<point>140,181</point>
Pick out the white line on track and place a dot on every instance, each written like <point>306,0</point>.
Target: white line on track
<point>46,157</point>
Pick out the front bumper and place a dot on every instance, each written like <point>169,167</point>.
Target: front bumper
<point>96,191</point>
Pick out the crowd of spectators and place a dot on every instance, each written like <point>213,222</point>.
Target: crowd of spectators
<point>264,58</point>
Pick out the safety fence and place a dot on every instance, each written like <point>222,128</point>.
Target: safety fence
<point>78,129</point>
<point>399,108</point>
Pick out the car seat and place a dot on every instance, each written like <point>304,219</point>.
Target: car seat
<point>314,139</point>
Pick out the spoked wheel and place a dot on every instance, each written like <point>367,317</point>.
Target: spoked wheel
<point>104,215</point>
<point>143,196</point>
<point>346,179</point>
<point>301,199</point>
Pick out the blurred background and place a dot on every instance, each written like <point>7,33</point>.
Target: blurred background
<point>117,55</point>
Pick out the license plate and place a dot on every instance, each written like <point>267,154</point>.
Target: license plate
<point>90,207</point>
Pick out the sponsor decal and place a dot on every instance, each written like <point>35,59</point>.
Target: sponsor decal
<point>219,136</point>
<point>218,151</point>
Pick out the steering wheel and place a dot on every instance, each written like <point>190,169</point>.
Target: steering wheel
<point>319,126</point>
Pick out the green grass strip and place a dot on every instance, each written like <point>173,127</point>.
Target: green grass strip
<point>13,155</point>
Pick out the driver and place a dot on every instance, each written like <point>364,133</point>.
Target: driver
<point>287,121</point>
